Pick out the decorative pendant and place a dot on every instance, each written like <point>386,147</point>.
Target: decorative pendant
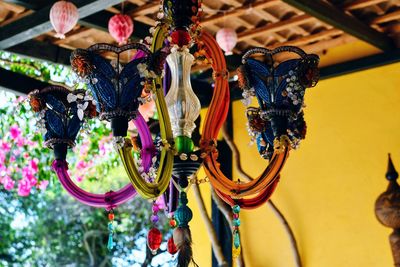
<point>154,237</point>
<point>110,226</point>
<point>235,231</point>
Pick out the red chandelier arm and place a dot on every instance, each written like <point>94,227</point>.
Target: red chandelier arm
<point>215,118</point>
<point>253,202</point>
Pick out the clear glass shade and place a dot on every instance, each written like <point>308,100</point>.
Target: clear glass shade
<point>183,105</point>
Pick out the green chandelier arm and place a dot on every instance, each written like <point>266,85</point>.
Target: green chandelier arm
<point>164,172</point>
<point>145,189</point>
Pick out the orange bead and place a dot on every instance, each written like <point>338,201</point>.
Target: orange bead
<point>111,216</point>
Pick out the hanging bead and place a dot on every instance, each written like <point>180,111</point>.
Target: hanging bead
<point>235,231</point>
<point>110,244</point>
<point>154,238</point>
<point>110,227</point>
<point>171,247</point>
<point>172,223</point>
<point>235,252</point>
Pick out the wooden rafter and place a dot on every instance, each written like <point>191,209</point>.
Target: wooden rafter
<point>331,15</point>
<point>274,27</point>
<point>38,23</point>
<point>358,4</point>
<point>237,12</point>
<point>395,15</point>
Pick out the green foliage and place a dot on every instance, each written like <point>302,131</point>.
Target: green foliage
<point>42,225</point>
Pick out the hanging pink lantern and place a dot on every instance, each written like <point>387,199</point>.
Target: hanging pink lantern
<point>63,16</point>
<point>120,27</point>
<point>227,39</point>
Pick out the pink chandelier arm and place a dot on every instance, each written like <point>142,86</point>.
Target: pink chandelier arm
<point>110,199</point>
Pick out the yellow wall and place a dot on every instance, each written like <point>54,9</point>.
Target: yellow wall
<point>328,187</point>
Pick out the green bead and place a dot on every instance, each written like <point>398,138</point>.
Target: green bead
<point>236,240</point>
<point>184,144</point>
<point>183,215</point>
<point>236,209</point>
<point>236,222</point>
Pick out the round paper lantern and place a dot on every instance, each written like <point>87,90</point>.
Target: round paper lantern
<point>120,27</point>
<point>227,39</point>
<point>63,16</point>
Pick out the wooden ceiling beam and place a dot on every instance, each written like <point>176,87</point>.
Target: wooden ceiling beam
<point>237,11</point>
<point>358,4</point>
<point>395,15</point>
<point>331,15</point>
<point>12,7</point>
<point>38,23</point>
<point>274,27</point>
<point>145,9</point>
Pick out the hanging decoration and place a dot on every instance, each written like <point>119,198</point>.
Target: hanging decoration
<point>120,27</point>
<point>165,165</point>
<point>227,39</point>
<point>63,16</point>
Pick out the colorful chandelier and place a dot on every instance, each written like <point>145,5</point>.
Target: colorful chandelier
<point>168,163</point>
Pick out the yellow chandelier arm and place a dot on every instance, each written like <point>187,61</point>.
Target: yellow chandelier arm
<point>164,173</point>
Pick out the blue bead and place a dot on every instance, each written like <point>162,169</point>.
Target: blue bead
<point>236,209</point>
<point>110,243</point>
<point>110,227</point>
<point>236,222</point>
<point>236,240</point>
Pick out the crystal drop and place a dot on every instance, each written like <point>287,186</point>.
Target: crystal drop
<point>110,243</point>
<point>236,240</point>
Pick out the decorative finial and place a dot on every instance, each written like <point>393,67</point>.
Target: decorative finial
<point>391,173</point>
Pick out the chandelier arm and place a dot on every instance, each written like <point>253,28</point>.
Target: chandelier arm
<point>238,190</point>
<point>110,199</point>
<point>253,202</point>
<point>164,173</point>
<point>213,123</point>
<point>219,106</point>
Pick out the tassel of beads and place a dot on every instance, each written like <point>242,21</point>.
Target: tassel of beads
<point>235,231</point>
<point>110,243</point>
<point>154,237</point>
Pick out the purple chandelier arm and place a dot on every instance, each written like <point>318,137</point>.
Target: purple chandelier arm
<point>110,199</point>
<point>148,148</point>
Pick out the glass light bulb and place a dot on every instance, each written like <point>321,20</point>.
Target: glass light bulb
<point>183,104</point>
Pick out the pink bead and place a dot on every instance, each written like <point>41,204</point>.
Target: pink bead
<point>235,216</point>
<point>155,208</point>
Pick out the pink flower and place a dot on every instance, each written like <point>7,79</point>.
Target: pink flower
<point>15,131</point>
<point>81,165</point>
<point>24,188</point>
<point>6,147</point>
<point>12,159</point>
<point>34,165</point>
<point>20,141</point>
<point>28,175</point>
<point>43,185</point>
<point>79,178</point>
<point>8,183</point>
